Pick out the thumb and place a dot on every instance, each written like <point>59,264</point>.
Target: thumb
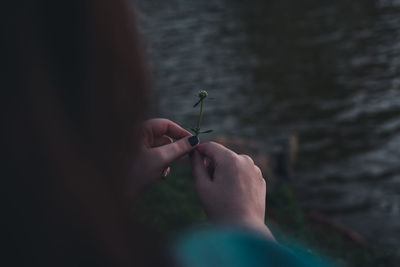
<point>173,151</point>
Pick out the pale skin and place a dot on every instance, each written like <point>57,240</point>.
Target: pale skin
<point>230,187</point>
<point>156,152</point>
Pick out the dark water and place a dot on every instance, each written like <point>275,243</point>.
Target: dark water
<point>328,71</point>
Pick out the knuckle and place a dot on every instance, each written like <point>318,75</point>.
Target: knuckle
<point>214,144</point>
<point>259,174</point>
<point>258,170</point>
<point>235,160</point>
<point>208,144</point>
<point>233,157</point>
<point>264,185</point>
<point>180,148</point>
<point>150,122</point>
<point>159,120</point>
<point>247,158</point>
<point>205,147</point>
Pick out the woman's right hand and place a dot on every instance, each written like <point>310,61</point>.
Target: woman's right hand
<point>231,188</point>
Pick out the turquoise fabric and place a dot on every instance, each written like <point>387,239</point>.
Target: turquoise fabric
<point>220,247</point>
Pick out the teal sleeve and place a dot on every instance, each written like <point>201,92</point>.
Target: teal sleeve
<point>220,247</point>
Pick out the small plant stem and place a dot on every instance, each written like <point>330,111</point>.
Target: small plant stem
<point>200,117</point>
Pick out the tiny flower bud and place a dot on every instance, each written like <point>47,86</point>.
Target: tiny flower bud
<point>203,94</point>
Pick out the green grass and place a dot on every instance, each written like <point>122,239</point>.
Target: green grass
<point>172,205</point>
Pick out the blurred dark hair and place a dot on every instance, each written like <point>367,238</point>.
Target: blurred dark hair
<point>73,91</point>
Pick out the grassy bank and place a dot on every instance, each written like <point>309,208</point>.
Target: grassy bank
<point>172,205</point>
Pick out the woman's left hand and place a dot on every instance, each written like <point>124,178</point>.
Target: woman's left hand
<point>157,151</point>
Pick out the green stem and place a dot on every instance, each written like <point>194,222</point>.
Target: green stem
<point>200,117</point>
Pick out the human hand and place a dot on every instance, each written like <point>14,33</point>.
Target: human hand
<point>231,188</point>
<point>157,151</point>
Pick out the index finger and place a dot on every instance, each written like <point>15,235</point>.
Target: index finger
<point>216,152</point>
<point>160,127</point>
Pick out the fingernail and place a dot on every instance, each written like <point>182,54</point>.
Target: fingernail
<point>165,172</point>
<point>191,154</point>
<point>193,140</point>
